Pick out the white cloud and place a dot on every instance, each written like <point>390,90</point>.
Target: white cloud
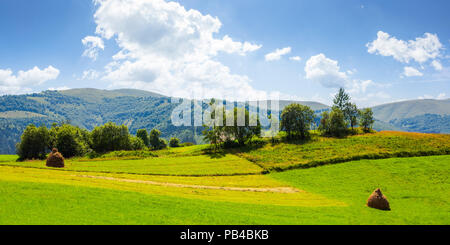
<point>59,88</point>
<point>421,49</point>
<point>168,49</point>
<point>326,71</point>
<point>16,84</point>
<point>93,45</point>
<point>441,96</point>
<point>276,55</point>
<point>411,72</point>
<point>295,58</point>
<point>436,65</point>
<point>90,75</point>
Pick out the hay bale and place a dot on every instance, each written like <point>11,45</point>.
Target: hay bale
<point>55,159</point>
<point>378,200</point>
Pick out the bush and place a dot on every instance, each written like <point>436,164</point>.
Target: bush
<point>34,143</point>
<point>185,144</point>
<point>110,137</point>
<point>162,144</point>
<point>136,143</point>
<point>174,142</point>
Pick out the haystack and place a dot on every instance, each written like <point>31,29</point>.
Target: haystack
<point>55,159</point>
<point>378,200</point>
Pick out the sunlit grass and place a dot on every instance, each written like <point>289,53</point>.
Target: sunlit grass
<point>323,150</point>
<point>190,165</point>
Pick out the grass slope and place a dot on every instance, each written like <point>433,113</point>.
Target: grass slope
<point>187,165</point>
<point>322,150</point>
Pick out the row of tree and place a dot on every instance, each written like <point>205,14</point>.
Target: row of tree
<point>296,121</point>
<point>72,141</point>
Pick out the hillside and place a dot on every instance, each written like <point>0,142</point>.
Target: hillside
<point>411,108</point>
<point>137,109</point>
<point>427,116</point>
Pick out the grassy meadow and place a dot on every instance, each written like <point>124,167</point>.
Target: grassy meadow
<point>270,184</point>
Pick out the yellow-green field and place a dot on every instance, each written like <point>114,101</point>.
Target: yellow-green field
<point>187,186</point>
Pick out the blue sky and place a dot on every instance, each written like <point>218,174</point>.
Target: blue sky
<point>380,51</point>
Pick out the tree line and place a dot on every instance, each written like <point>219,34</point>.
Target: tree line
<point>72,141</point>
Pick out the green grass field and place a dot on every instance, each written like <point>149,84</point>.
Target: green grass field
<point>187,186</point>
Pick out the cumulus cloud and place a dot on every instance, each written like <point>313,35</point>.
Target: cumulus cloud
<point>295,58</point>
<point>411,72</point>
<point>327,72</point>
<point>277,54</point>
<point>436,65</point>
<point>93,45</point>
<point>168,49</point>
<point>15,84</point>
<point>420,50</point>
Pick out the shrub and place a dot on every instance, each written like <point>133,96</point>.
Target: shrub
<point>185,144</point>
<point>136,143</point>
<point>162,144</point>
<point>110,137</point>
<point>174,142</point>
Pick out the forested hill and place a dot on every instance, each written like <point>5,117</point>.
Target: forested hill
<point>427,116</point>
<point>137,109</point>
<point>88,108</point>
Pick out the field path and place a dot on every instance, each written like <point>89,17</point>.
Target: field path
<point>268,189</point>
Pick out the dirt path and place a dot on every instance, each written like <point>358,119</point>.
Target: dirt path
<point>149,182</point>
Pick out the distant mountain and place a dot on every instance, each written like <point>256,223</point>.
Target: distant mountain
<point>137,109</point>
<point>97,95</point>
<point>427,116</point>
<point>411,108</point>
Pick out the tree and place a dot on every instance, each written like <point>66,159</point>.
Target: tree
<point>110,137</point>
<point>296,120</point>
<point>353,114</point>
<point>174,142</point>
<point>143,134</point>
<point>333,123</point>
<point>367,119</point>
<point>324,126</point>
<point>242,133</point>
<point>214,134</point>
<point>69,140</point>
<point>34,144</point>
<point>155,142</point>
<point>341,99</point>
